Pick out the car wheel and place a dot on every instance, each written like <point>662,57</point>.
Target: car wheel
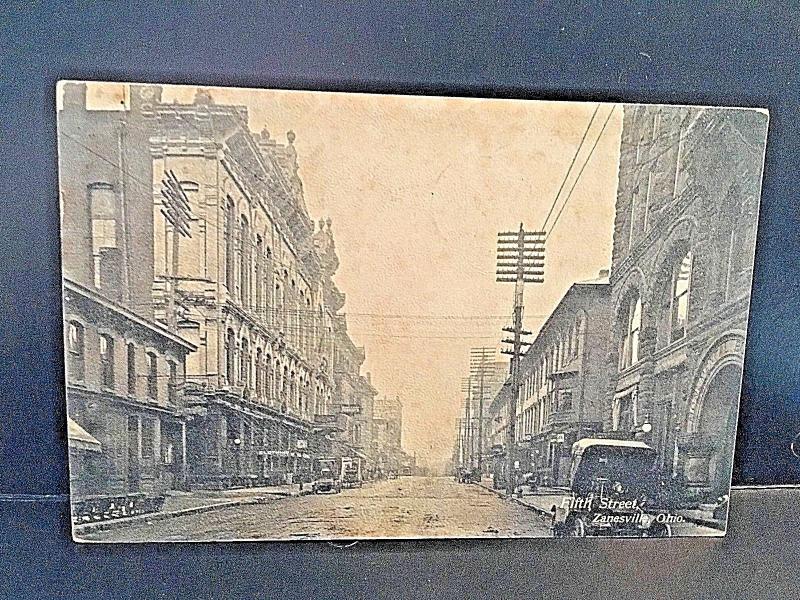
<point>660,530</point>
<point>577,528</point>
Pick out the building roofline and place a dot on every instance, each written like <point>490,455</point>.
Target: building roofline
<point>154,327</point>
<point>570,291</point>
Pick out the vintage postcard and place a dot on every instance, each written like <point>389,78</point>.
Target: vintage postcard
<point>304,315</point>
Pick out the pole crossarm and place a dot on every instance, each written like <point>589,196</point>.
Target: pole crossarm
<point>520,260</point>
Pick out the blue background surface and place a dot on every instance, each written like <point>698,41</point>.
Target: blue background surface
<point>742,53</point>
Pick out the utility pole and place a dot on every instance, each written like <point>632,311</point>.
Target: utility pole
<point>466,386</point>
<point>177,212</point>
<point>481,369</point>
<point>462,449</point>
<point>520,260</point>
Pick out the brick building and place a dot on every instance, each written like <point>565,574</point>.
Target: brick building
<point>124,371</point>
<point>125,392</point>
<point>681,271</point>
<point>563,382</point>
<point>244,276</point>
<point>387,424</point>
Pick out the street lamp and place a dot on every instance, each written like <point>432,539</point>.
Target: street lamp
<point>237,446</point>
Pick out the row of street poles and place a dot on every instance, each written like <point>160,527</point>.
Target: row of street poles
<point>477,385</point>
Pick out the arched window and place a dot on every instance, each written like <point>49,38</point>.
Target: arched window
<point>244,364</point>
<point>230,357</point>
<point>230,245</point>
<point>259,375</point>
<point>75,350</point>
<point>172,381</point>
<point>300,323</point>
<point>268,277</point>
<point>152,375</point>
<point>679,299</point>
<point>131,364</point>
<point>270,391</point>
<point>277,312</point>
<point>244,262</point>
<point>259,279</point>
<point>632,324</point>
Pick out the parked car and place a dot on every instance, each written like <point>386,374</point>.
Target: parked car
<point>614,491</point>
<point>326,482</point>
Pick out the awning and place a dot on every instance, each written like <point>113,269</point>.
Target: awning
<point>81,439</point>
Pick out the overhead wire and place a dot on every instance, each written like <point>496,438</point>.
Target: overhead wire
<point>580,173</point>
<point>569,168</point>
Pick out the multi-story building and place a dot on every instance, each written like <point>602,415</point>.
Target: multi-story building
<point>202,226</point>
<point>563,380</point>
<point>387,431</point>
<point>125,391</point>
<point>124,371</point>
<point>681,271</point>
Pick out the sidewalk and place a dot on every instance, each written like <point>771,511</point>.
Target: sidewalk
<point>178,500</point>
<point>180,503</point>
<point>543,499</point>
<point>540,501</point>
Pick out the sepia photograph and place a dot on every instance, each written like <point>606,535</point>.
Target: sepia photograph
<point>304,315</point>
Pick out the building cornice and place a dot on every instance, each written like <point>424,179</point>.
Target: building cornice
<point>73,287</point>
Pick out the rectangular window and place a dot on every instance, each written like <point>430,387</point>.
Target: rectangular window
<point>131,364</point>
<point>625,413</point>
<point>565,400</point>
<point>148,437</point>
<point>172,383</point>
<point>106,361</point>
<point>103,210</point>
<point>152,376</point>
<point>75,349</point>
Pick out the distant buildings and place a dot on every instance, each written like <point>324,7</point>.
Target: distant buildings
<point>387,435</point>
<point>656,352</point>
<point>186,235</point>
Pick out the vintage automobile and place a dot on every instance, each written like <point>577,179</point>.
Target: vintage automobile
<point>351,472</point>
<point>614,491</point>
<point>326,478</point>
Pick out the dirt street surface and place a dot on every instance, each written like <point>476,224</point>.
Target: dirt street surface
<point>407,507</point>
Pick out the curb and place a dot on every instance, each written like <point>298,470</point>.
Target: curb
<point>88,528</point>
<point>542,512</point>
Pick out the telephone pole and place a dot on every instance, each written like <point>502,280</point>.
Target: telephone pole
<point>481,370</point>
<point>520,260</point>
<point>466,386</point>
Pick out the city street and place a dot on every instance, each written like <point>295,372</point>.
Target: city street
<point>405,507</point>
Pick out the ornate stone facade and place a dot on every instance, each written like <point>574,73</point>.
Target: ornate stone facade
<point>682,264</point>
<point>245,278</point>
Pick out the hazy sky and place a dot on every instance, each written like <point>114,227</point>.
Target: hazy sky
<point>417,189</point>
